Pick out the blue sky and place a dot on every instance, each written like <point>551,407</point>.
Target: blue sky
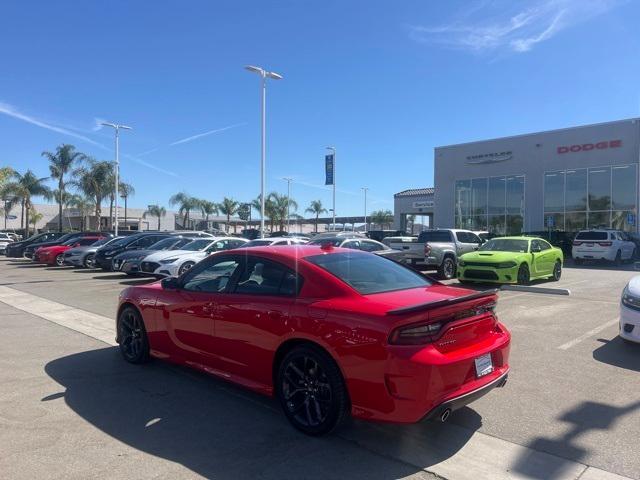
<point>385,82</point>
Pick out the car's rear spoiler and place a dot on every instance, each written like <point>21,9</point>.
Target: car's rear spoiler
<point>442,303</point>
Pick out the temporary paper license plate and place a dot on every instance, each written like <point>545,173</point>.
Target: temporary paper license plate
<point>484,366</point>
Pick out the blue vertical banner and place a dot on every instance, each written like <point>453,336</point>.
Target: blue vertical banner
<point>328,169</point>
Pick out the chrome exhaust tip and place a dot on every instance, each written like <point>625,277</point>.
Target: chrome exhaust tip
<point>445,415</point>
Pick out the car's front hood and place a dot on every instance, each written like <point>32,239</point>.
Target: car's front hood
<point>634,286</point>
<point>489,257</point>
<point>157,256</point>
<point>133,254</point>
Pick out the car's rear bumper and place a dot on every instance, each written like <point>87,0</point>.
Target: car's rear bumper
<point>591,253</point>
<point>629,324</point>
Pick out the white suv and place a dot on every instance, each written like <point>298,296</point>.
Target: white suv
<point>611,245</point>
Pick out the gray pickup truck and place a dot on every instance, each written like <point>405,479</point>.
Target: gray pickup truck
<point>438,249</point>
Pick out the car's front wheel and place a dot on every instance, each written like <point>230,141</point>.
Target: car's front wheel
<point>523,274</point>
<point>132,336</point>
<point>184,267</point>
<point>60,260</point>
<point>311,390</point>
<point>557,270</point>
<point>88,261</point>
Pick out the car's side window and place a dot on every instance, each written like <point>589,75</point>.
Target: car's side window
<point>282,242</point>
<point>369,246</point>
<point>544,245</point>
<point>235,243</point>
<point>473,238</point>
<point>87,241</point>
<point>264,277</point>
<point>211,277</point>
<point>353,244</point>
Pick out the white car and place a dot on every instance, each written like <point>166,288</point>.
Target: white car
<point>630,311</point>
<point>275,241</point>
<point>5,239</point>
<point>610,245</point>
<point>173,263</point>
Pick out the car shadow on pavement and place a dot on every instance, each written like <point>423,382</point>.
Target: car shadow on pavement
<point>583,418</point>
<point>618,353</point>
<point>221,431</point>
<point>88,270</point>
<point>112,276</point>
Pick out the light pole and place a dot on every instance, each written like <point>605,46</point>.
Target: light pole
<point>288,180</point>
<point>365,189</point>
<point>264,74</point>
<point>117,128</point>
<point>333,151</point>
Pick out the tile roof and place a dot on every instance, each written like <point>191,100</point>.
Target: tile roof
<point>412,192</point>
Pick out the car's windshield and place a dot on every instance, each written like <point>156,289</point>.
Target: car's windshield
<point>102,241</point>
<point>369,273</point>
<point>336,242</point>
<point>505,245</point>
<point>118,242</point>
<point>164,244</point>
<point>197,245</point>
<point>69,243</point>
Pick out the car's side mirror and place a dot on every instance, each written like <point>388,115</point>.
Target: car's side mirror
<point>170,283</point>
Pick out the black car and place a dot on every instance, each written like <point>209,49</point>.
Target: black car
<point>16,249</point>
<point>30,249</point>
<point>129,261</point>
<point>139,241</point>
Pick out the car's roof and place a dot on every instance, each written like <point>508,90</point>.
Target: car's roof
<point>293,251</point>
<point>517,237</point>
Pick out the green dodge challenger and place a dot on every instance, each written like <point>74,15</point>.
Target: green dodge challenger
<point>511,260</point>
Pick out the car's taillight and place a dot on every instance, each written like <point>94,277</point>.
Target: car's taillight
<point>576,243</point>
<point>415,334</point>
<point>605,244</point>
<point>427,249</point>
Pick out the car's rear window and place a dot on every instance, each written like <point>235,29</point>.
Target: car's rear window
<point>369,273</point>
<point>437,236</point>
<point>592,236</point>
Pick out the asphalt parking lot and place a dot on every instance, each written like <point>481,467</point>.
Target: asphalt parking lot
<point>73,409</point>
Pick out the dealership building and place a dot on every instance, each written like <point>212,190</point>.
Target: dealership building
<point>567,180</point>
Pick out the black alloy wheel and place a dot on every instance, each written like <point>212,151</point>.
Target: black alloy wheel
<point>448,268</point>
<point>60,260</point>
<point>311,390</point>
<point>132,336</point>
<point>557,270</point>
<point>523,274</point>
<point>88,260</point>
<point>184,267</point>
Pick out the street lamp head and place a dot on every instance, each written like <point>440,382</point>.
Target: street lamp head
<point>125,127</point>
<point>107,124</point>
<point>251,68</point>
<point>274,75</point>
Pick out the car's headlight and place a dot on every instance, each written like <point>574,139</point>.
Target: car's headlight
<point>462,263</point>
<point>630,300</point>
<point>168,260</point>
<point>506,264</point>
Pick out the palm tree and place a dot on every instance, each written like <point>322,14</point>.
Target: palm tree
<point>126,190</point>
<point>208,208</point>
<point>94,180</point>
<point>155,211</point>
<point>60,163</point>
<point>22,188</point>
<point>84,205</point>
<point>281,207</point>
<point>316,208</point>
<point>34,217</point>
<point>382,217</point>
<point>62,197</point>
<point>186,204</point>
<point>228,207</point>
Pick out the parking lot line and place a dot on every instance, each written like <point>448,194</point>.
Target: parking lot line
<point>590,333</point>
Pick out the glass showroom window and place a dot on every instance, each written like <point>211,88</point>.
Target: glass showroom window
<point>495,204</point>
<point>601,197</point>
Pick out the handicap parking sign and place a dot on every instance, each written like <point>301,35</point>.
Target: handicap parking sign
<point>550,221</point>
<point>631,219</point>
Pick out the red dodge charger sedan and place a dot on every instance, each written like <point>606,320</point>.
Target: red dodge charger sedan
<point>328,331</point>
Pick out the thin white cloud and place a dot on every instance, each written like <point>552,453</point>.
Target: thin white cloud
<point>193,137</point>
<point>491,26</point>
<point>11,111</point>
<point>152,166</point>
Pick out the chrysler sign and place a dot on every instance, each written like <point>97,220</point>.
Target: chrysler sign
<point>585,147</point>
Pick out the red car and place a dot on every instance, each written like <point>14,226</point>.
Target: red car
<point>54,255</point>
<point>328,331</point>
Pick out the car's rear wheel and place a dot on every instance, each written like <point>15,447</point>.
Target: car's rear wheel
<point>88,261</point>
<point>60,260</point>
<point>311,390</point>
<point>557,270</point>
<point>132,336</point>
<point>184,267</point>
<point>447,269</point>
<point>523,274</point>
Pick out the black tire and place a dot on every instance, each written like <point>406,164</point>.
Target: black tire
<point>88,261</point>
<point>447,268</point>
<point>132,336</point>
<point>60,260</point>
<point>557,271</point>
<point>184,267</point>
<point>618,260</point>
<point>523,274</point>
<point>311,390</point>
